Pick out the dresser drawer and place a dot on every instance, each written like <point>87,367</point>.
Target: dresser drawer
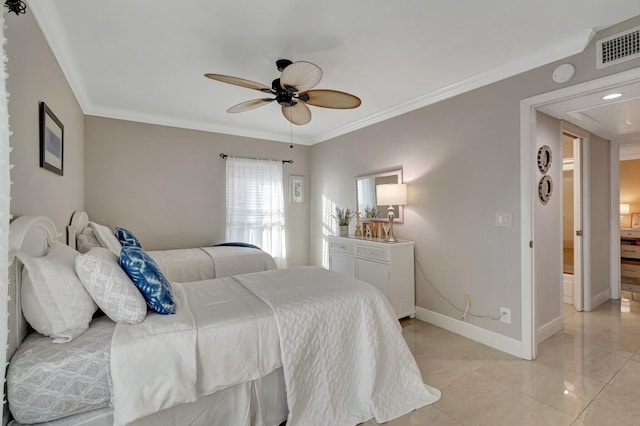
<point>630,233</point>
<point>630,270</point>
<point>342,247</point>
<point>631,251</point>
<point>373,253</point>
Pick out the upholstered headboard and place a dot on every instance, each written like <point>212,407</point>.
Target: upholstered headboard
<point>31,235</point>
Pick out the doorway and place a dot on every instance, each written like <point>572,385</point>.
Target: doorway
<point>625,178</point>
<point>572,220</point>
<point>529,109</point>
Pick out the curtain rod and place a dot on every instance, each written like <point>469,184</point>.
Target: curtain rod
<point>224,157</point>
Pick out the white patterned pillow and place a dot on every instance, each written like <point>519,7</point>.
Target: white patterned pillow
<point>54,301</point>
<point>110,286</point>
<point>86,240</point>
<point>107,238</point>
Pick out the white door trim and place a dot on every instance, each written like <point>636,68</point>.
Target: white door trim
<point>614,236</point>
<point>527,172</point>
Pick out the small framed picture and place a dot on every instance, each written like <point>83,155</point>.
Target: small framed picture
<point>296,189</point>
<point>51,141</point>
<point>635,220</point>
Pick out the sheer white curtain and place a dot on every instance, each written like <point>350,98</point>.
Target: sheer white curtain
<point>255,205</point>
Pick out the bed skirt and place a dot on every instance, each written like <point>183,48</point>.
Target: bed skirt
<point>262,402</point>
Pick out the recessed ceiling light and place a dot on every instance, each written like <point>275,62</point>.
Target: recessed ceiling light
<point>612,96</point>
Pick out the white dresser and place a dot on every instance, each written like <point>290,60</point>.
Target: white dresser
<point>387,266</point>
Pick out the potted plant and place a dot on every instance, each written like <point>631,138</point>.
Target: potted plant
<point>370,212</point>
<point>344,216</point>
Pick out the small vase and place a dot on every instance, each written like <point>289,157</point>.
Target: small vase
<point>344,230</point>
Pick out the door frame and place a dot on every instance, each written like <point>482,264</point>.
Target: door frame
<point>528,108</point>
<point>614,180</point>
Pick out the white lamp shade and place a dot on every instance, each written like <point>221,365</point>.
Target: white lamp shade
<point>393,194</point>
<point>624,209</point>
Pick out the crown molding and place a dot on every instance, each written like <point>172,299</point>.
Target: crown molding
<point>59,44</point>
<point>160,120</point>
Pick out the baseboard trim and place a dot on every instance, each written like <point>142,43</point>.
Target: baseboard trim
<point>567,286</point>
<point>600,298</point>
<point>471,331</point>
<point>549,329</point>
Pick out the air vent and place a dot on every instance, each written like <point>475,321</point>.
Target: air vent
<point>618,48</point>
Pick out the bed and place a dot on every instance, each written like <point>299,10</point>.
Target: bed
<point>179,265</point>
<point>251,349</point>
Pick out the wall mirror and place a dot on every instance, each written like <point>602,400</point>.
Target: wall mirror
<point>366,195</point>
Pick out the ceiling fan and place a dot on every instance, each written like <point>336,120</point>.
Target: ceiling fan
<point>292,91</point>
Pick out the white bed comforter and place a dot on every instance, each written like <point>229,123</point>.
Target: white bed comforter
<point>344,357</point>
<point>229,260</point>
<point>220,335</point>
<point>205,263</point>
<point>341,348</point>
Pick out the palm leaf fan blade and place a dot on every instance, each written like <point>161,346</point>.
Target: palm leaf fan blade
<point>248,105</point>
<point>301,76</point>
<point>331,99</point>
<point>237,81</point>
<point>298,114</point>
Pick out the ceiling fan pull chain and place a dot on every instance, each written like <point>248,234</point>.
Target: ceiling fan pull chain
<point>291,131</point>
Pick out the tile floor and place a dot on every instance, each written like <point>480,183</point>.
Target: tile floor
<point>589,374</point>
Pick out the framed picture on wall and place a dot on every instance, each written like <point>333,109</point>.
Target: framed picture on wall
<point>296,189</point>
<point>635,220</point>
<point>51,141</point>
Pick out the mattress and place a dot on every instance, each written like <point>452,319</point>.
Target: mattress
<point>47,381</point>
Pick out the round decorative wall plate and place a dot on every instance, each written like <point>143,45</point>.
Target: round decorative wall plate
<point>544,158</point>
<point>545,188</point>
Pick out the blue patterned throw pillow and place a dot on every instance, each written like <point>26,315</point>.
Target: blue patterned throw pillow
<point>146,275</point>
<point>126,238</point>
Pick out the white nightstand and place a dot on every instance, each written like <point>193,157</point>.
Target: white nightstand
<point>387,266</point>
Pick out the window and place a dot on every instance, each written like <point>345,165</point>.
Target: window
<point>255,205</point>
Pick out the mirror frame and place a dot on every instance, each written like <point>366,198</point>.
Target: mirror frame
<point>399,218</point>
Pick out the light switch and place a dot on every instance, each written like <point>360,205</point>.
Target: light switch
<point>503,220</point>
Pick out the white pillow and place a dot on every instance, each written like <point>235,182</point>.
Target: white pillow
<point>107,238</point>
<point>86,240</point>
<point>110,286</point>
<point>54,300</point>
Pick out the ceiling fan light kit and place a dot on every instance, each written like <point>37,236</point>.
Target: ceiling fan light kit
<point>292,91</point>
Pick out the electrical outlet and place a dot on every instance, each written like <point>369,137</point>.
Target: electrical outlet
<point>505,315</point>
<point>503,220</point>
<point>467,299</point>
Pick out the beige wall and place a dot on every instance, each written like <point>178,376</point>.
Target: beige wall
<point>34,76</point>
<point>630,188</point>
<point>167,185</point>
<point>461,159</point>
<point>547,229</point>
<point>460,170</point>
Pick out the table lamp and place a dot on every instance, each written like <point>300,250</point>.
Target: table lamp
<point>391,194</point>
